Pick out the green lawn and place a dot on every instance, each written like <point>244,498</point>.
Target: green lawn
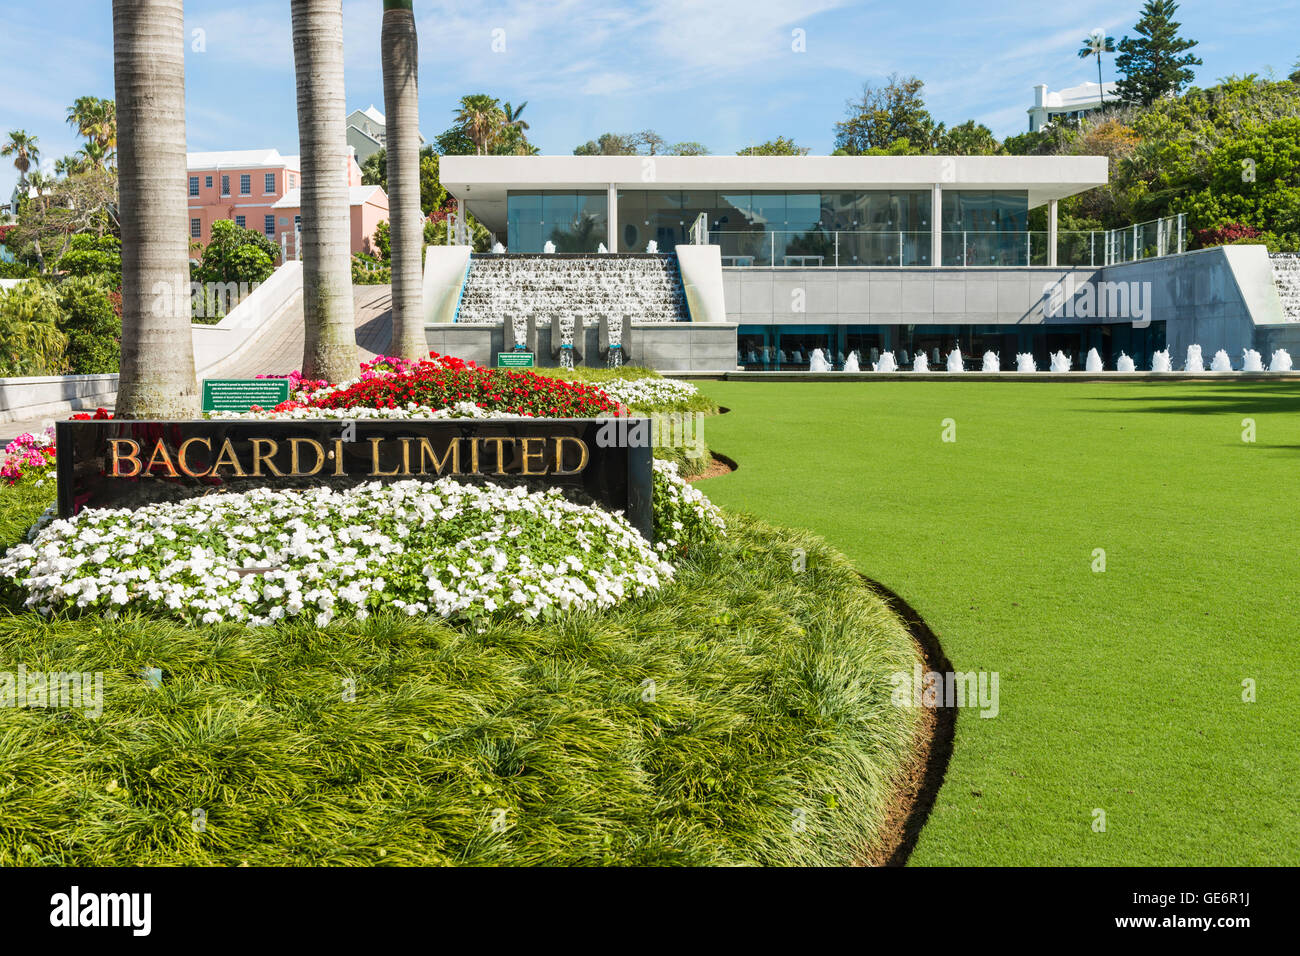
<point>1119,691</point>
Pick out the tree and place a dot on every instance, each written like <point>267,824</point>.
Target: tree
<point>968,139</point>
<point>96,120</point>
<point>884,115</point>
<point>1095,44</point>
<point>26,151</point>
<point>62,208</point>
<point>236,254</point>
<point>688,148</point>
<point>157,378</point>
<point>609,144</point>
<point>399,54</point>
<point>1155,63</point>
<point>481,119</point>
<point>781,146</point>
<point>330,350</point>
<point>1295,72</point>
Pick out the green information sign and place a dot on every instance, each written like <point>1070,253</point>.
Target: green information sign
<point>516,359</point>
<point>241,394</point>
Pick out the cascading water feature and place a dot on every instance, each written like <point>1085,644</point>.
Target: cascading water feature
<point>1195,361</point>
<point>614,358</point>
<point>549,248</point>
<point>1061,362</point>
<point>1251,361</point>
<point>646,288</point>
<point>1280,362</point>
<point>567,325</point>
<point>497,249</point>
<point>1124,363</point>
<point>920,363</point>
<point>991,362</point>
<point>1093,362</point>
<point>851,363</point>
<point>1160,362</point>
<point>1025,362</point>
<point>1221,362</point>
<point>955,364</point>
<point>1286,277</point>
<point>817,362</point>
<point>887,363</point>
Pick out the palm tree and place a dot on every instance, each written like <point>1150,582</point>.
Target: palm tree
<point>25,150</point>
<point>481,118</point>
<point>330,351</point>
<point>95,119</point>
<point>399,52</point>
<point>157,379</point>
<point>1095,44</point>
<point>512,116</point>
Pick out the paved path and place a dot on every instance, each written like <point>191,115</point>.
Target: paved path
<point>281,351</point>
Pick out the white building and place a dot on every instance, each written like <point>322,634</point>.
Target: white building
<point>1069,104</point>
<point>367,132</point>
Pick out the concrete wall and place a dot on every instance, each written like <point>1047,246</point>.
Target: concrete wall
<point>884,296</point>
<point>54,396</point>
<point>701,268</point>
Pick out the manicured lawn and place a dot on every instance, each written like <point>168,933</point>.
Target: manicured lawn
<point>1119,691</point>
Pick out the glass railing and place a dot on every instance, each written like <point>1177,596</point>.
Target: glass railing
<point>818,248</point>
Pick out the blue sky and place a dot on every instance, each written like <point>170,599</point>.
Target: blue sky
<point>723,72</point>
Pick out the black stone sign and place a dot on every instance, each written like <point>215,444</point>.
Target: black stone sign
<point>124,464</point>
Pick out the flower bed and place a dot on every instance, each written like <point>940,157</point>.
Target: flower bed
<point>649,392</point>
<point>448,549</point>
<point>27,455</point>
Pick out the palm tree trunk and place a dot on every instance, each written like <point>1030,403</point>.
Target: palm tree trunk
<point>399,53</point>
<point>157,379</point>
<point>330,351</point>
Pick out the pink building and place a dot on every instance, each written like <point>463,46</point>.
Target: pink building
<point>260,189</point>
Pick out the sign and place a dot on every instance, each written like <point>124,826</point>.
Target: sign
<point>516,359</point>
<point>120,463</point>
<point>241,394</point>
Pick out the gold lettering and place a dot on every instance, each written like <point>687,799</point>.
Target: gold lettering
<point>501,455</point>
<point>181,452</point>
<point>160,457</point>
<point>427,455</point>
<point>473,455</point>
<point>295,468</point>
<point>227,456</point>
<point>406,456</point>
<point>338,456</point>
<point>540,454</point>
<point>264,457</point>
<point>559,455</point>
<point>118,457</point>
<point>374,461</point>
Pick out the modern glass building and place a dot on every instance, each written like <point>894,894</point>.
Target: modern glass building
<point>902,253</point>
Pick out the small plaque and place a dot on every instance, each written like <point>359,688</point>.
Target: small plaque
<point>516,359</point>
<point>241,394</point>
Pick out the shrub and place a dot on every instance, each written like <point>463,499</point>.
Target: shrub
<point>89,255</point>
<point>92,323</point>
<point>237,255</point>
<point>30,340</point>
<point>367,270</point>
<point>684,518</point>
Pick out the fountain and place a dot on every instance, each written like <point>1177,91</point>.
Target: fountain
<point>588,287</point>
<point>817,362</point>
<point>1286,277</point>
<point>1251,361</point>
<point>1093,362</point>
<point>602,249</point>
<point>1281,361</point>
<point>1025,362</point>
<point>1221,362</point>
<point>920,363</point>
<point>1195,361</point>
<point>851,363</point>
<point>497,248</point>
<point>1124,363</point>
<point>652,247</point>
<point>1061,362</point>
<point>955,363</point>
<point>1160,362</point>
<point>549,248</point>
<point>991,362</point>
<point>887,363</point>
<point>611,339</point>
<point>567,325</point>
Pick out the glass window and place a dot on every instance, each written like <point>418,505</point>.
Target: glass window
<point>207,182</point>
<point>240,221</point>
<point>194,185</point>
<point>573,221</point>
<point>270,183</point>
<point>245,184</point>
<point>985,227</point>
<point>196,228</point>
<point>270,225</point>
<point>225,185</point>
